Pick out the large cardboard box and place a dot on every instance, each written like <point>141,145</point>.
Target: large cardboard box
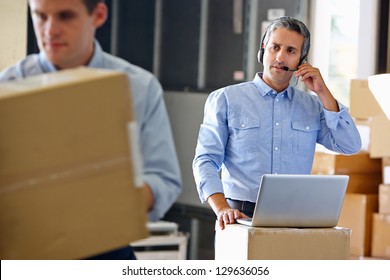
<point>239,242</point>
<point>356,214</point>
<point>381,235</point>
<point>67,185</point>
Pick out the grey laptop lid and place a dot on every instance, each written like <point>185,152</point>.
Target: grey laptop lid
<point>298,201</point>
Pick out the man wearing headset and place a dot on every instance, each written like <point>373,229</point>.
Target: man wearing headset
<point>267,126</point>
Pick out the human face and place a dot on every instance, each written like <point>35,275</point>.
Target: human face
<point>65,30</point>
<point>283,49</point>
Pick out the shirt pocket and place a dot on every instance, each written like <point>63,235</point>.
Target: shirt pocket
<point>305,135</point>
<point>244,134</point>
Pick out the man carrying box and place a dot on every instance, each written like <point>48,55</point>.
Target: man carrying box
<point>65,32</point>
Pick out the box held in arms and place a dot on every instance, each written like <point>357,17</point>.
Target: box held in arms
<point>239,242</point>
<point>67,180</point>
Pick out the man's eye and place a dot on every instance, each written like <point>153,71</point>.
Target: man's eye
<point>66,16</point>
<point>40,16</point>
<point>292,51</point>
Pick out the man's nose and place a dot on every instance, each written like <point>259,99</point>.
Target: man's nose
<point>280,56</point>
<point>52,27</point>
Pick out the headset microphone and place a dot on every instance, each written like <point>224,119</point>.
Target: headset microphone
<point>285,68</point>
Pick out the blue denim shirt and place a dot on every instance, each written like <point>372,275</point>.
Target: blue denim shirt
<point>249,130</point>
<point>160,164</point>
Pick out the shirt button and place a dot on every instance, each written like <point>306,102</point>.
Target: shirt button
<point>277,124</point>
<point>276,148</point>
<point>243,125</point>
<point>277,99</point>
<point>307,128</point>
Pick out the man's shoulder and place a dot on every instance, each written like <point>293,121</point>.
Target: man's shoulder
<point>120,64</point>
<point>28,66</point>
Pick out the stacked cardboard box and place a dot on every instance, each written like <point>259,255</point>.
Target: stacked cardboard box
<point>67,185</point>
<point>238,242</point>
<point>361,200</point>
<point>372,112</point>
<point>381,220</point>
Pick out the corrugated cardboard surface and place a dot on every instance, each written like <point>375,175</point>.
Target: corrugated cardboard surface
<point>66,175</point>
<point>362,102</point>
<point>379,137</point>
<point>356,214</point>
<point>365,173</point>
<point>360,163</point>
<point>381,235</point>
<point>254,243</point>
<point>368,102</point>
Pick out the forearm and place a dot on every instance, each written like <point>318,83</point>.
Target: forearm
<point>217,202</point>
<point>328,101</point>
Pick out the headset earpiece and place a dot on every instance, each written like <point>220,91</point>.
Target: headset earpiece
<point>260,54</point>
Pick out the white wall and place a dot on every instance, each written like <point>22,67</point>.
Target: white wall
<point>185,111</point>
<point>13,31</point>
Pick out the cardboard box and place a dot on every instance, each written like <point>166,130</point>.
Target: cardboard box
<point>381,235</point>
<point>361,163</point>
<point>364,183</point>
<point>384,199</point>
<point>365,173</point>
<point>379,137</point>
<point>239,242</point>
<point>67,186</point>
<point>356,214</point>
<point>362,102</point>
<point>368,100</point>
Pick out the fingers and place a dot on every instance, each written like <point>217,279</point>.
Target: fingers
<point>229,216</point>
<point>306,71</point>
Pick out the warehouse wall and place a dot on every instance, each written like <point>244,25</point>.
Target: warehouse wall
<point>14,40</point>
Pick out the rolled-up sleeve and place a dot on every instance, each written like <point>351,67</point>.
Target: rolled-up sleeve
<point>342,134</point>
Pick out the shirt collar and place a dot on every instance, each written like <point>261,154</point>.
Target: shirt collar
<point>265,89</point>
<point>97,58</point>
<point>95,62</point>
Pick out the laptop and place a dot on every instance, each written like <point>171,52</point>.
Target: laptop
<point>298,201</point>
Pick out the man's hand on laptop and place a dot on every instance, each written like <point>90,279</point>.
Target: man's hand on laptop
<point>225,214</point>
<point>229,216</point>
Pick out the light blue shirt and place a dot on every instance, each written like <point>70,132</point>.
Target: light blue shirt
<point>250,130</point>
<point>160,163</point>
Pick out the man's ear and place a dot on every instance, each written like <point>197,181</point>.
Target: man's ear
<point>100,14</point>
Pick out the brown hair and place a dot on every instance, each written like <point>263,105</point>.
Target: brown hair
<point>91,4</point>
